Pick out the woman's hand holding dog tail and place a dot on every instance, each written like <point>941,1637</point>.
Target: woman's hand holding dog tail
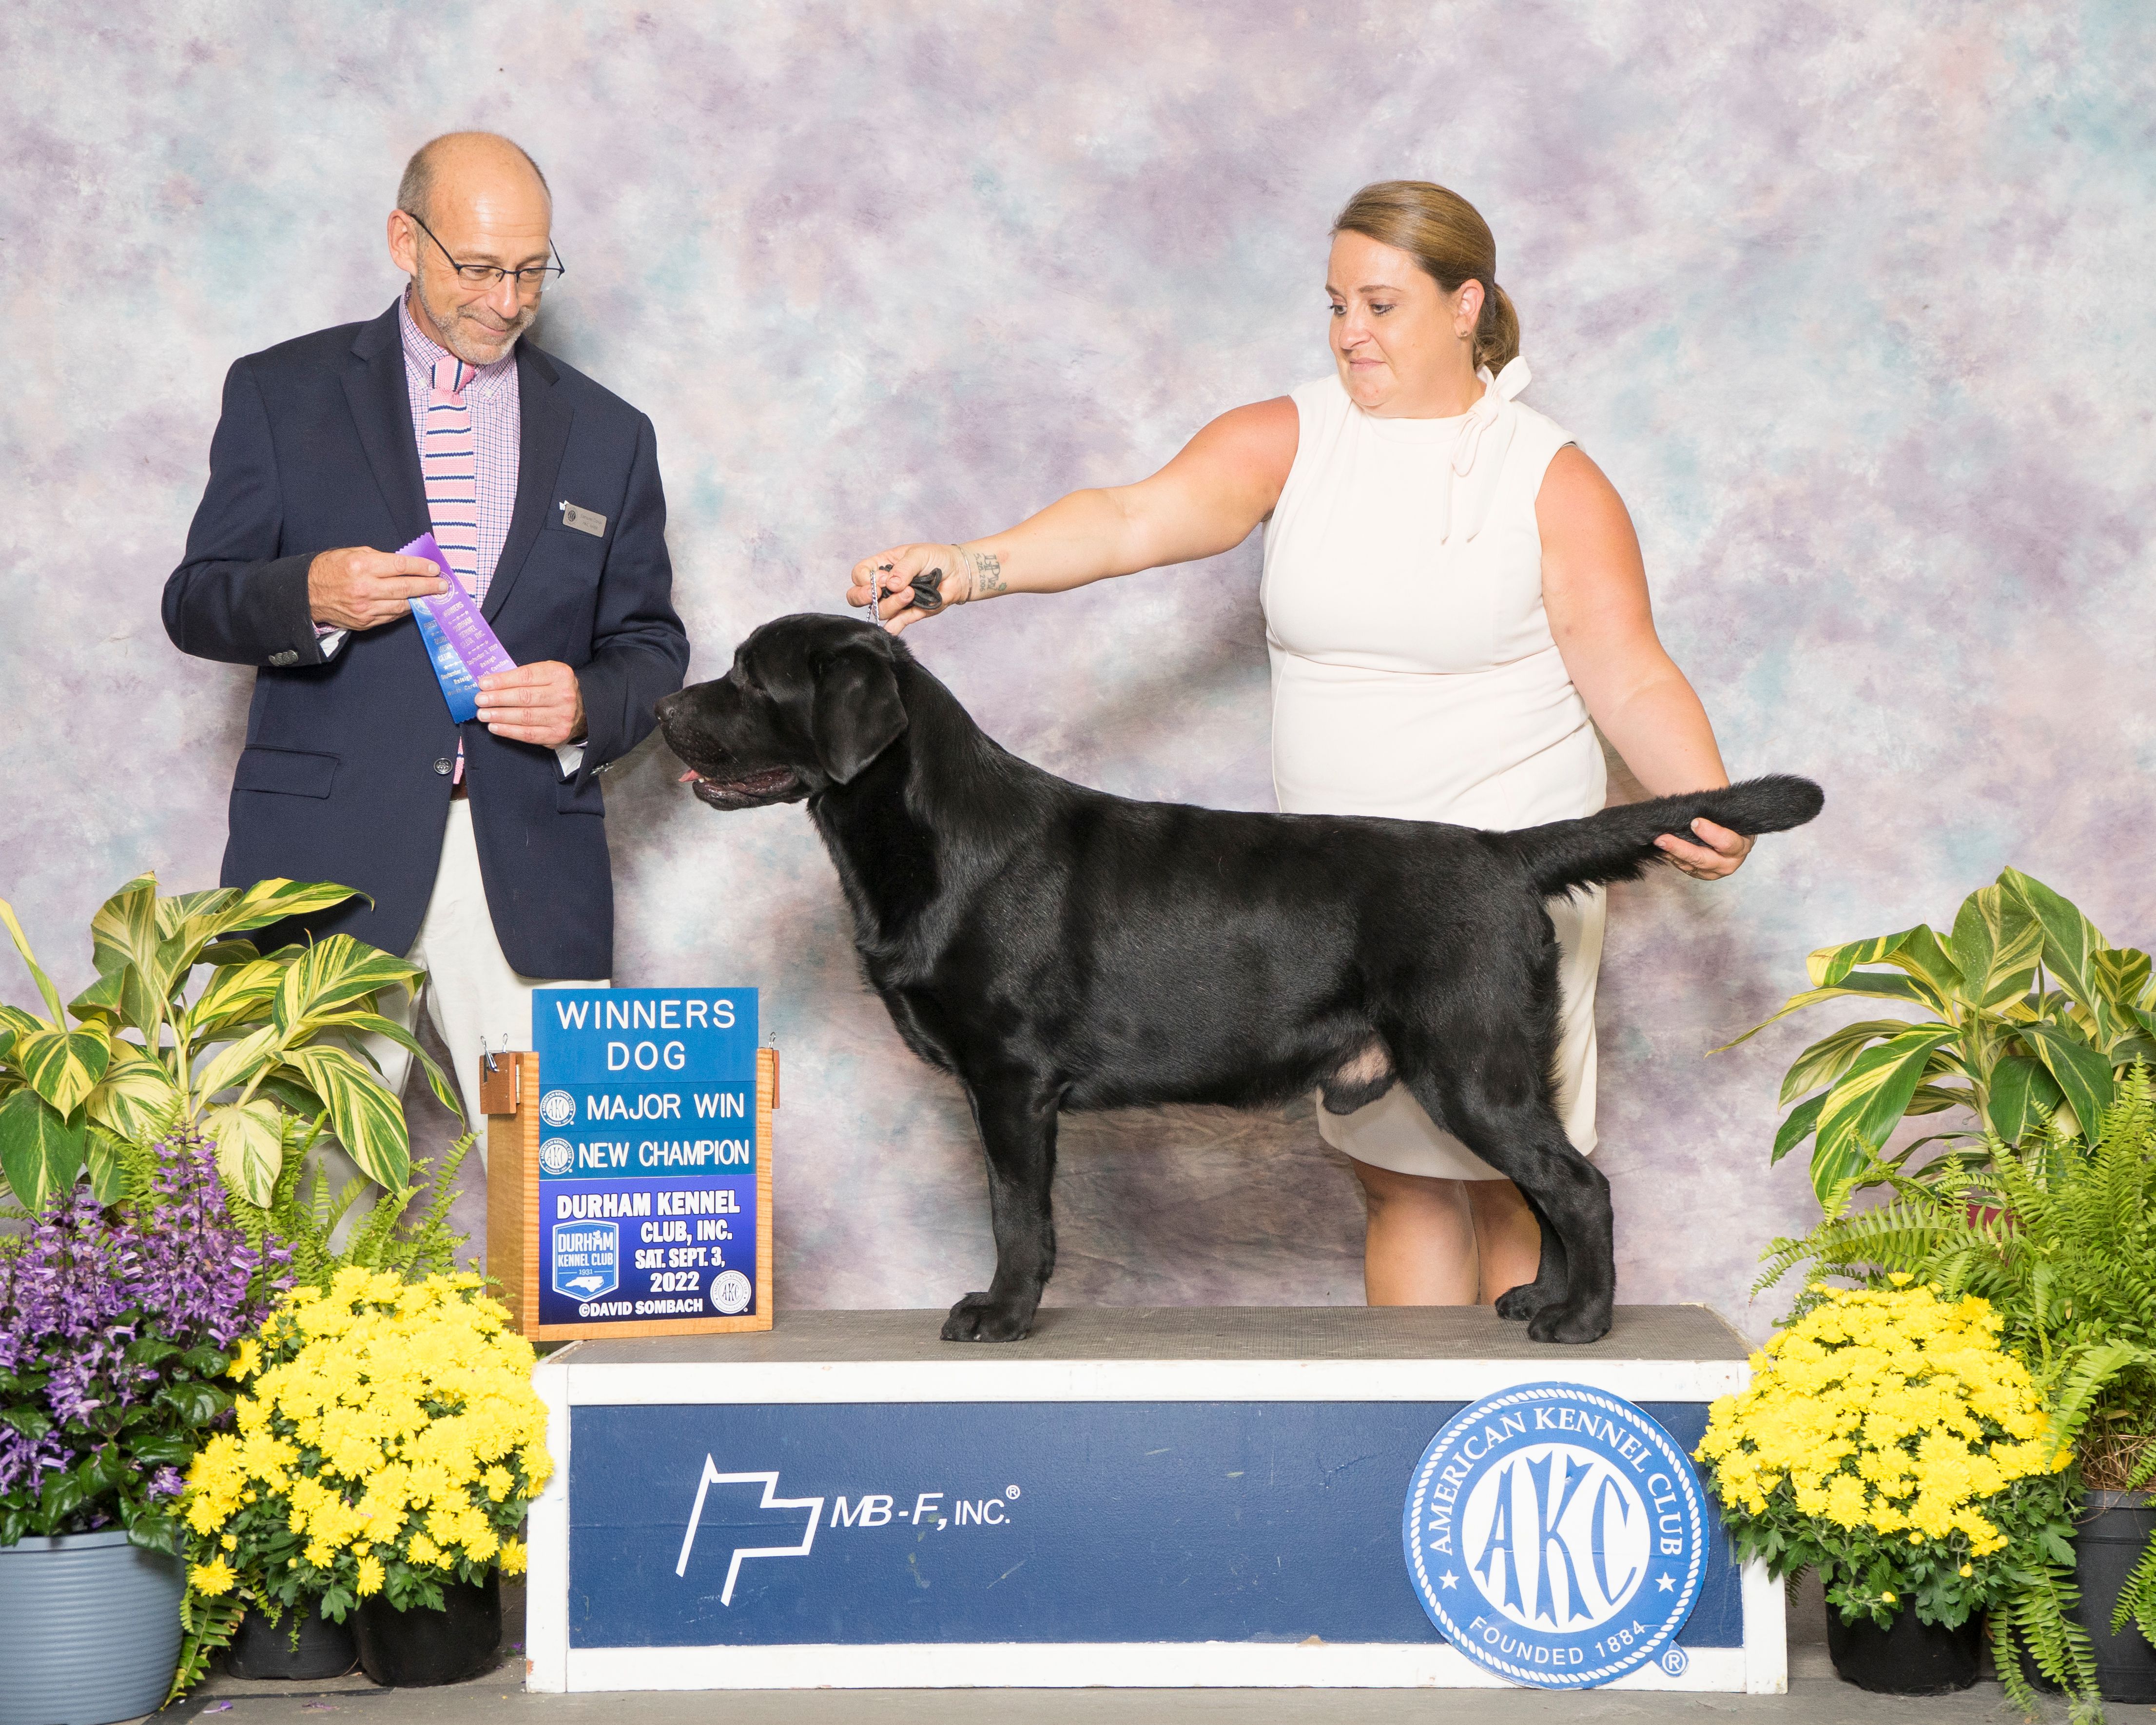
<point>911,582</point>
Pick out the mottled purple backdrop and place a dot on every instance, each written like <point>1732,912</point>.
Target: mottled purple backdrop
<point>1852,301</point>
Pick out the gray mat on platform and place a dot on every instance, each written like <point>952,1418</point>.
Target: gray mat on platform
<point>1192,1332</point>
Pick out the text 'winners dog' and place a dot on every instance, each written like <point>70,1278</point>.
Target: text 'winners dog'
<point>1056,947</point>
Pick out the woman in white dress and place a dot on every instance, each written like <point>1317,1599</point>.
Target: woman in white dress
<point>1454,601</point>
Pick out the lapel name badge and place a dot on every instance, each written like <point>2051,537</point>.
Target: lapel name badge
<point>584,520</point>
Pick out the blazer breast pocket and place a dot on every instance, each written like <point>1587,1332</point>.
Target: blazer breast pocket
<point>286,772</point>
<point>578,544</point>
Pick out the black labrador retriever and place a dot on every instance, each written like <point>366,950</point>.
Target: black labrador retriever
<point>1057,948</point>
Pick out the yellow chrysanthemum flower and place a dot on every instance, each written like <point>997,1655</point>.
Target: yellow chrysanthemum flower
<point>381,1422</point>
<point>213,1578</point>
<point>1888,1410</point>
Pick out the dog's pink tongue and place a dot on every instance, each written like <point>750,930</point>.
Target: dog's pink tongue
<point>690,774</point>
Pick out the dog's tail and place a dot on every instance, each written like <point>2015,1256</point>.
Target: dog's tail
<point>1617,844</point>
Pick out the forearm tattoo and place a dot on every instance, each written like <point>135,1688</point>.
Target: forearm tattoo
<point>986,572</point>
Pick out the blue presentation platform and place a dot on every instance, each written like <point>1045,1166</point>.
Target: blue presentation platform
<point>1331,1496</point>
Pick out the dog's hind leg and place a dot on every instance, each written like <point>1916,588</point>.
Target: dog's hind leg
<point>1576,1281</point>
<point>1018,1131</point>
<point>1525,1300</point>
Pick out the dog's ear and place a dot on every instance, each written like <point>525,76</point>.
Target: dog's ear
<point>856,714</point>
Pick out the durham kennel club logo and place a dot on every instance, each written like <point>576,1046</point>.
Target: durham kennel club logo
<point>1556,1535</point>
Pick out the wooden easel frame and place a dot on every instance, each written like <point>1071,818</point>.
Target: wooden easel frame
<point>512,1207</point>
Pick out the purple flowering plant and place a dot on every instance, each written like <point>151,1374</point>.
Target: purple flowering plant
<point>115,1325</point>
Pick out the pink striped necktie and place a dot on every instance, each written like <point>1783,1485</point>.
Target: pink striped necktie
<point>448,463</point>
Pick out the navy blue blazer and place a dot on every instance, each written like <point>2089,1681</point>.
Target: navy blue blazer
<point>345,773</point>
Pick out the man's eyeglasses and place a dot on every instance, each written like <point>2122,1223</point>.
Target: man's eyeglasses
<point>533,278</point>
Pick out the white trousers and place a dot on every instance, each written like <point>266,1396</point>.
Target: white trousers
<point>475,1000</point>
<point>1393,1133</point>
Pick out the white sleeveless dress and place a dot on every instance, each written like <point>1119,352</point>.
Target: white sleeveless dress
<point>1414,676</point>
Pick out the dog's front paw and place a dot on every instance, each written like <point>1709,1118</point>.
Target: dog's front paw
<point>980,1317</point>
<point>1569,1323</point>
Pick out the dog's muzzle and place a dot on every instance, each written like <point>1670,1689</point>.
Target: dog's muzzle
<point>752,790</point>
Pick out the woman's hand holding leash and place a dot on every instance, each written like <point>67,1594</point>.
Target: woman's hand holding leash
<point>920,580</point>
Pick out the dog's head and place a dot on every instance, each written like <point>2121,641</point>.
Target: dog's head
<point>810,702</point>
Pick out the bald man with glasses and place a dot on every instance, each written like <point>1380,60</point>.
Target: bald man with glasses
<point>482,846</point>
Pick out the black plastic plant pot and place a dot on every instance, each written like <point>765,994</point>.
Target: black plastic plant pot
<point>419,1649</point>
<point>1906,1658</point>
<point>300,1644</point>
<point>2111,1532</point>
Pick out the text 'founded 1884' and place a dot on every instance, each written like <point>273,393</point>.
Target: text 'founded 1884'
<point>1556,1536</point>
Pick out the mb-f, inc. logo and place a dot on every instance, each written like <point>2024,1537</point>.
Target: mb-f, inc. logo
<point>711,1476</point>
<point>1556,1535</point>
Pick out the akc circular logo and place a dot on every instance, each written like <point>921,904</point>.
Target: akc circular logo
<point>1556,1535</point>
<point>731,1292</point>
<point>556,1155</point>
<point>557,1107</point>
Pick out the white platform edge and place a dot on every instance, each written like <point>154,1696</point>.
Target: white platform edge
<point>767,1383</point>
<point>1759,1668</point>
<point>1107,1664</point>
<point>547,1536</point>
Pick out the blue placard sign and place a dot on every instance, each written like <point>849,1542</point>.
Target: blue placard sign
<point>1556,1535</point>
<point>647,1154</point>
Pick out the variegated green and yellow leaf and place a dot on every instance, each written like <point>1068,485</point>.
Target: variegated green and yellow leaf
<point>1996,944</point>
<point>52,995</point>
<point>2083,1073</point>
<point>174,913</point>
<point>335,975</point>
<point>1938,1098</point>
<point>125,931</point>
<point>2122,975</point>
<point>373,1023</point>
<point>237,1063</point>
<point>63,1066</point>
<point>104,998</point>
<point>267,901</point>
<point>41,1150</point>
<point>105,1157</point>
<point>1827,1059</point>
<point>1922,956</point>
<point>1867,985</point>
<point>2023,1092</point>
<point>1829,965</point>
<point>235,995</point>
<point>136,1098</point>
<point>250,1146</point>
<point>1871,1100</point>
<point>368,1122</point>
<point>2070,941</point>
<point>14,1018</point>
<point>1803,1121</point>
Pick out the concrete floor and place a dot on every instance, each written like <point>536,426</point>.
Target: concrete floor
<point>1816,1697</point>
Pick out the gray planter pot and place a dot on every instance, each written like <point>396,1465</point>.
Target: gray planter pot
<point>92,1629</point>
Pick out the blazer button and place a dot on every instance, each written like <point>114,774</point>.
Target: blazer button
<point>289,656</point>
<point>443,765</point>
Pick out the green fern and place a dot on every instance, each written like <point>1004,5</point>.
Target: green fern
<point>382,1238</point>
<point>2137,1599</point>
<point>2036,1627</point>
<point>206,1625</point>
